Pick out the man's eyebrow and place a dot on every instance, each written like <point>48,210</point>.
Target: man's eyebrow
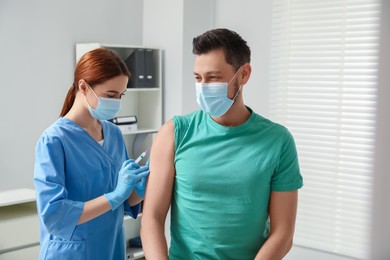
<point>214,72</point>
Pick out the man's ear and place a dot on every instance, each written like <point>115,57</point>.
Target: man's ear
<point>245,73</point>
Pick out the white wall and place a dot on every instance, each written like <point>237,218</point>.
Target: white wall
<point>37,57</point>
<point>171,25</point>
<point>163,28</point>
<point>252,20</point>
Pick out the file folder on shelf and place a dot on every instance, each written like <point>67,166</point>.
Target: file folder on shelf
<point>136,65</point>
<point>124,120</point>
<point>126,123</point>
<point>142,68</point>
<point>149,69</point>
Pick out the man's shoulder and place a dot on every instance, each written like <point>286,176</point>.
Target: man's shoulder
<point>187,118</point>
<point>263,122</point>
<point>191,115</point>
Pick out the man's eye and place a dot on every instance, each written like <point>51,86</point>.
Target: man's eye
<point>197,78</point>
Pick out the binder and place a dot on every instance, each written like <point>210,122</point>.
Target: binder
<point>136,65</point>
<point>150,81</point>
<point>124,120</point>
<point>126,124</point>
<point>142,68</point>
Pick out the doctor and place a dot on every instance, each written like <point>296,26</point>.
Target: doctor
<point>84,181</point>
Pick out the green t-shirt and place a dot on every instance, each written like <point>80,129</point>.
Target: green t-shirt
<point>224,176</point>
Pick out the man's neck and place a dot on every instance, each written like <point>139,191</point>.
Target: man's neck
<point>235,116</point>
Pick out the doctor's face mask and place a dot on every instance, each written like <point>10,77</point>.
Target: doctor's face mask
<point>107,108</point>
<point>213,97</point>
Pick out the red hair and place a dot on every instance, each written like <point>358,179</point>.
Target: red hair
<point>95,67</point>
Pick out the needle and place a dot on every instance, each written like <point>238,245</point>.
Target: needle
<point>141,156</point>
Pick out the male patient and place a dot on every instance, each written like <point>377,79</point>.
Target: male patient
<point>230,175</point>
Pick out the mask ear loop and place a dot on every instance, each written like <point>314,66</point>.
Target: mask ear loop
<point>85,96</point>
<point>239,89</point>
<point>235,74</point>
<point>91,89</point>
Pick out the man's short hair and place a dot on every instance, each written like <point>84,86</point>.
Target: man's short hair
<point>234,47</point>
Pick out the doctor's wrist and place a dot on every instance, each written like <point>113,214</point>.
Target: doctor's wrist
<point>113,200</point>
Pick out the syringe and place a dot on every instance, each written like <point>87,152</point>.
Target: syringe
<point>141,156</point>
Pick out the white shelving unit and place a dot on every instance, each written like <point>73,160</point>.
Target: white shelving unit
<point>132,229</point>
<point>19,226</point>
<point>146,104</point>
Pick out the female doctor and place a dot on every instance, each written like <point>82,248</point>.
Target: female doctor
<point>84,181</point>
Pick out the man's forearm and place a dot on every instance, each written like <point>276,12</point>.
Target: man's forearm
<point>154,243</point>
<point>275,248</point>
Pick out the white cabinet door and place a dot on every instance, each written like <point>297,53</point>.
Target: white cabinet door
<point>26,253</point>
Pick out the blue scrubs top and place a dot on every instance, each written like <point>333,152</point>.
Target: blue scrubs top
<point>70,169</point>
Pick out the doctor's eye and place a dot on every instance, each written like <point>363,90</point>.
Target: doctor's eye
<point>197,78</point>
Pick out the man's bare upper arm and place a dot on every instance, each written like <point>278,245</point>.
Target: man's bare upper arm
<point>162,172</point>
<point>283,210</point>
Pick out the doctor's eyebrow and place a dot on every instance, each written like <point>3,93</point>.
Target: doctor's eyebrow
<point>116,92</point>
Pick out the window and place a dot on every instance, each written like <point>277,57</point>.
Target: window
<point>324,90</point>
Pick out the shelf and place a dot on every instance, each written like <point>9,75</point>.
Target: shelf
<point>18,222</point>
<point>127,217</point>
<point>17,196</point>
<point>141,131</point>
<point>17,212</point>
<point>134,253</point>
<point>142,89</point>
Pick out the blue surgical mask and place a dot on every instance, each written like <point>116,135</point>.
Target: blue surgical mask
<point>212,97</point>
<point>107,108</point>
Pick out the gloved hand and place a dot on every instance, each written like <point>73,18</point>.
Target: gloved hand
<point>128,176</point>
<point>141,185</point>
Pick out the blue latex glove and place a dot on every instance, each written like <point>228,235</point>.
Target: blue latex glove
<point>128,176</point>
<point>141,185</point>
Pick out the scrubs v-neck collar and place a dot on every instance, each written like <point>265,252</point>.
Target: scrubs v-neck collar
<point>101,143</point>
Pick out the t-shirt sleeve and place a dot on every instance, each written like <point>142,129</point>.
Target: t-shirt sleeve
<point>181,125</point>
<point>287,176</point>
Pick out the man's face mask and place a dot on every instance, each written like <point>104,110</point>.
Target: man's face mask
<point>212,97</point>
<point>107,108</point>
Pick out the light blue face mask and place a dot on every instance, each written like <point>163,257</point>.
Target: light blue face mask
<point>106,109</point>
<point>212,97</point>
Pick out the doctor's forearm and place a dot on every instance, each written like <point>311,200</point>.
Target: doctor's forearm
<point>94,208</point>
